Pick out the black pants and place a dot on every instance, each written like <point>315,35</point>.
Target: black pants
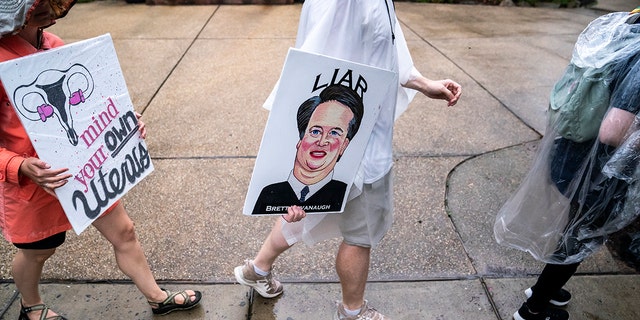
<point>576,170</point>
<point>550,281</point>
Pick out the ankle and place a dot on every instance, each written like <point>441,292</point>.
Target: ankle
<point>259,271</point>
<point>158,296</point>
<point>532,310</point>
<point>352,313</point>
<point>24,304</point>
<point>353,306</point>
<point>260,267</point>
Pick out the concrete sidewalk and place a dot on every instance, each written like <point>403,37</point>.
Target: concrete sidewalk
<point>199,75</point>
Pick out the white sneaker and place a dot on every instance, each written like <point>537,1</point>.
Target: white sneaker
<point>266,286</point>
<point>366,313</point>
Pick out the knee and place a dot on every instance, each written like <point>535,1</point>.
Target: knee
<point>37,256</point>
<point>45,255</point>
<point>126,235</point>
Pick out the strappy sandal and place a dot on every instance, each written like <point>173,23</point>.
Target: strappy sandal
<point>38,307</point>
<point>169,304</point>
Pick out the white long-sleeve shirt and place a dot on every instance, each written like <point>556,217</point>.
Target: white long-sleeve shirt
<point>366,32</point>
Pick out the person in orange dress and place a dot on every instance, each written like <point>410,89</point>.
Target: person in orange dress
<point>31,217</point>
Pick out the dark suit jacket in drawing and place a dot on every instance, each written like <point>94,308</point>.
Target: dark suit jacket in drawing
<point>275,198</point>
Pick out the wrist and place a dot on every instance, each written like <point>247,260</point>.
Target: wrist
<point>14,169</point>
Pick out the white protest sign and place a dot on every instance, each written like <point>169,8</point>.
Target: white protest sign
<point>323,113</point>
<point>74,105</point>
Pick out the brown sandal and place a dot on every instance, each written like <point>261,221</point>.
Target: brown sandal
<point>169,304</point>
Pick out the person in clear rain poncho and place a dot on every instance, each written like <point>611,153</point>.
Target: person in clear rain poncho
<point>583,184</point>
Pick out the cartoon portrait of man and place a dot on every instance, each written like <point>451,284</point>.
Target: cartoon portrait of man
<point>326,124</point>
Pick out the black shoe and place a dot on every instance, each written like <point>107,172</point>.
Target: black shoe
<point>548,314</point>
<point>559,299</point>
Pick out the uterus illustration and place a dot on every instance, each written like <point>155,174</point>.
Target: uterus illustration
<point>54,94</point>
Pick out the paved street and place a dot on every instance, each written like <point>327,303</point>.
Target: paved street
<point>199,76</point>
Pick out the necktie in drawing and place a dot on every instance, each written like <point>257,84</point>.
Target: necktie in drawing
<point>303,193</point>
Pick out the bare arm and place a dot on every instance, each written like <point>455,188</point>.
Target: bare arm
<point>614,127</point>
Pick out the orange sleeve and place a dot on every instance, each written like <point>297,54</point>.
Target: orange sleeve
<point>10,166</point>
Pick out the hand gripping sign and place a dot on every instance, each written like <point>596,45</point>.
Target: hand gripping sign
<point>74,105</point>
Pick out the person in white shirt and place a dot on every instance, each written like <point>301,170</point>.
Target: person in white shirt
<point>367,32</point>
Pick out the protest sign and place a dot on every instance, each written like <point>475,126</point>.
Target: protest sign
<point>74,105</point>
<point>322,116</point>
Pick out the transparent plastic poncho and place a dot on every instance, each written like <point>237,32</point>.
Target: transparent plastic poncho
<point>582,187</point>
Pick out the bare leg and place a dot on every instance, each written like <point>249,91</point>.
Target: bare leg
<point>27,269</point>
<point>272,248</point>
<point>118,229</point>
<point>352,266</point>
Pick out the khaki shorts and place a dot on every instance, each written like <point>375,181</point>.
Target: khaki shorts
<point>368,217</point>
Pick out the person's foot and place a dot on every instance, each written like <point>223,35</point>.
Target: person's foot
<point>559,299</point>
<point>548,314</point>
<point>366,313</point>
<point>266,286</point>
<point>176,301</point>
<point>38,311</point>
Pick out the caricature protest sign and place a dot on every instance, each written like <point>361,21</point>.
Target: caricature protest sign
<point>323,113</point>
<point>74,105</point>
